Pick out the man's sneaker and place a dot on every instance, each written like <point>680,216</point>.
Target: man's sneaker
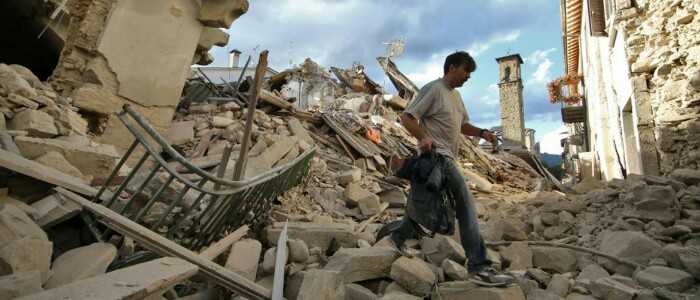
<point>490,276</point>
<point>399,246</point>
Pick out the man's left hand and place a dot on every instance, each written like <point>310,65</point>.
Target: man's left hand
<point>489,136</point>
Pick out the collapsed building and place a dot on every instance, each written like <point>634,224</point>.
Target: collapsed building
<point>277,185</point>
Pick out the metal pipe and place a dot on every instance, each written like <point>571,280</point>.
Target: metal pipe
<point>127,179</point>
<point>119,165</point>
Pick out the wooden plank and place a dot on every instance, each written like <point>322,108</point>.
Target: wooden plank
<point>345,147</point>
<point>252,103</point>
<point>135,282</point>
<point>224,244</point>
<point>38,171</point>
<point>280,262</point>
<point>159,244</point>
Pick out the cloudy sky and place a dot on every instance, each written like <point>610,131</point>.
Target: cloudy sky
<point>340,32</point>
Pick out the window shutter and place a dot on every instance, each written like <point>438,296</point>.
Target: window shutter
<point>596,14</point>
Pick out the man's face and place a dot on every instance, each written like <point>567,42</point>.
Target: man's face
<point>460,75</point>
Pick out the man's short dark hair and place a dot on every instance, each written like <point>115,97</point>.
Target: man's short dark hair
<point>460,58</point>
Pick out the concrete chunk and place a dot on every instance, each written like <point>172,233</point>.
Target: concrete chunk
<point>314,235</point>
<point>298,251</point>
<point>81,263</point>
<point>555,259</point>
<point>15,225</point>
<point>441,247</point>
<point>211,37</point>
<point>357,292</point>
<point>244,258</point>
<point>318,285</point>
<point>359,264</point>
<point>454,271</point>
<point>28,254</point>
<point>608,288</point>
<point>95,159</point>
<point>13,82</point>
<point>519,255</point>
<point>53,209</point>
<point>53,159</point>
<point>67,121</point>
<point>348,176</point>
<point>36,123</point>
<point>180,132</point>
<point>658,276</point>
<point>414,275</point>
<point>94,99</point>
<point>20,284</point>
<point>459,290</point>
<point>221,13</point>
<point>632,245</point>
<point>263,162</point>
<point>298,130</point>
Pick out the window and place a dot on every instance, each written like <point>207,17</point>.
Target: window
<point>598,14</point>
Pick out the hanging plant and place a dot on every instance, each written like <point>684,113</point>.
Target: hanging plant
<point>569,81</point>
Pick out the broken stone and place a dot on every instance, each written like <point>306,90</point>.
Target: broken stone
<point>395,197</point>
<point>592,272</point>
<point>298,251</point>
<point>505,229</point>
<point>20,284</point>
<point>672,279</point>
<point>458,290</point>
<point>53,159</point>
<point>95,160</point>
<point>81,263</point>
<point>441,247</point>
<point>67,121</point>
<point>359,264</point>
<point>15,225</point>
<point>263,162</point>
<point>559,285</point>
<point>28,254</point>
<point>13,82</point>
<point>414,275</point>
<point>538,275</point>
<point>211,37</point>
<point>575,296</point>
<point>348,176</point>
<point>369,205</point>
<point>244,258</point>
<point>518,255</point>
<point>675,231</point>
<point>357,292</point>
<point>399,296</point>
<point>687,176</point>
<point>53,209</point>
<point>541,294</point>
<point>634,246</point>
<point>221,13</point>
<point>180,133</point>
<point>354,193</point>
<point>318,284</point>
<point>268,265</point>
<point>454,271</point>
<point>314,235</point>
<point>555,259</point>
<point>298,130</point>
<point>94,99</point>
<point>36,123</point>
<point>608,288</point>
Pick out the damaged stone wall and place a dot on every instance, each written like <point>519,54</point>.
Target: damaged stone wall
<point>137,52</point>
<point>663,48</point>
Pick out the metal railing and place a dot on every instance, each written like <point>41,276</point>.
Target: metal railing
<point>214,205</point>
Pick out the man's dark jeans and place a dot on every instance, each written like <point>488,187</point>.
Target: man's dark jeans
<point>466,216</point>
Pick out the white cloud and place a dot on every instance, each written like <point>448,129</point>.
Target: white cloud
<point>550,142</point>
<point>540,58</point>
<point>433,68</point>
<point>476,48</point>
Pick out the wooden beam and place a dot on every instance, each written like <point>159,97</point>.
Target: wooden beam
<point>159,244</point>
<point>224,244</point>
<point>135,282</point>
<point>280,262</point>
<point>240,167</point>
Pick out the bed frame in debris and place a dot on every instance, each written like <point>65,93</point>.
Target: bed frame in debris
<point>221,205</point>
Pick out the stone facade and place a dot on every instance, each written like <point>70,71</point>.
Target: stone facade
<point>511,98</point>
<point>642,102</point>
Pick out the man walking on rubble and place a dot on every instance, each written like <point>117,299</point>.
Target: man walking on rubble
<point>437,118</point>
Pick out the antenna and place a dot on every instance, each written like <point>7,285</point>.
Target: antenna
<point>395,48</point>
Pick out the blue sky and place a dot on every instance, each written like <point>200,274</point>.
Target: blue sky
<point>340,32</point>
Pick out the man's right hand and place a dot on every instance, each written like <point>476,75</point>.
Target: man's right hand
<point>425,144</point>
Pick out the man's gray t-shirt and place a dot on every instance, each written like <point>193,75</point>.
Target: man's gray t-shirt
<point>441,114</point>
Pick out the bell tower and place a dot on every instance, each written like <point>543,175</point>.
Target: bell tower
<point>510,86</point>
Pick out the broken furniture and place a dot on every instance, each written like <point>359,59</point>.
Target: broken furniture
<point>204,205</point>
